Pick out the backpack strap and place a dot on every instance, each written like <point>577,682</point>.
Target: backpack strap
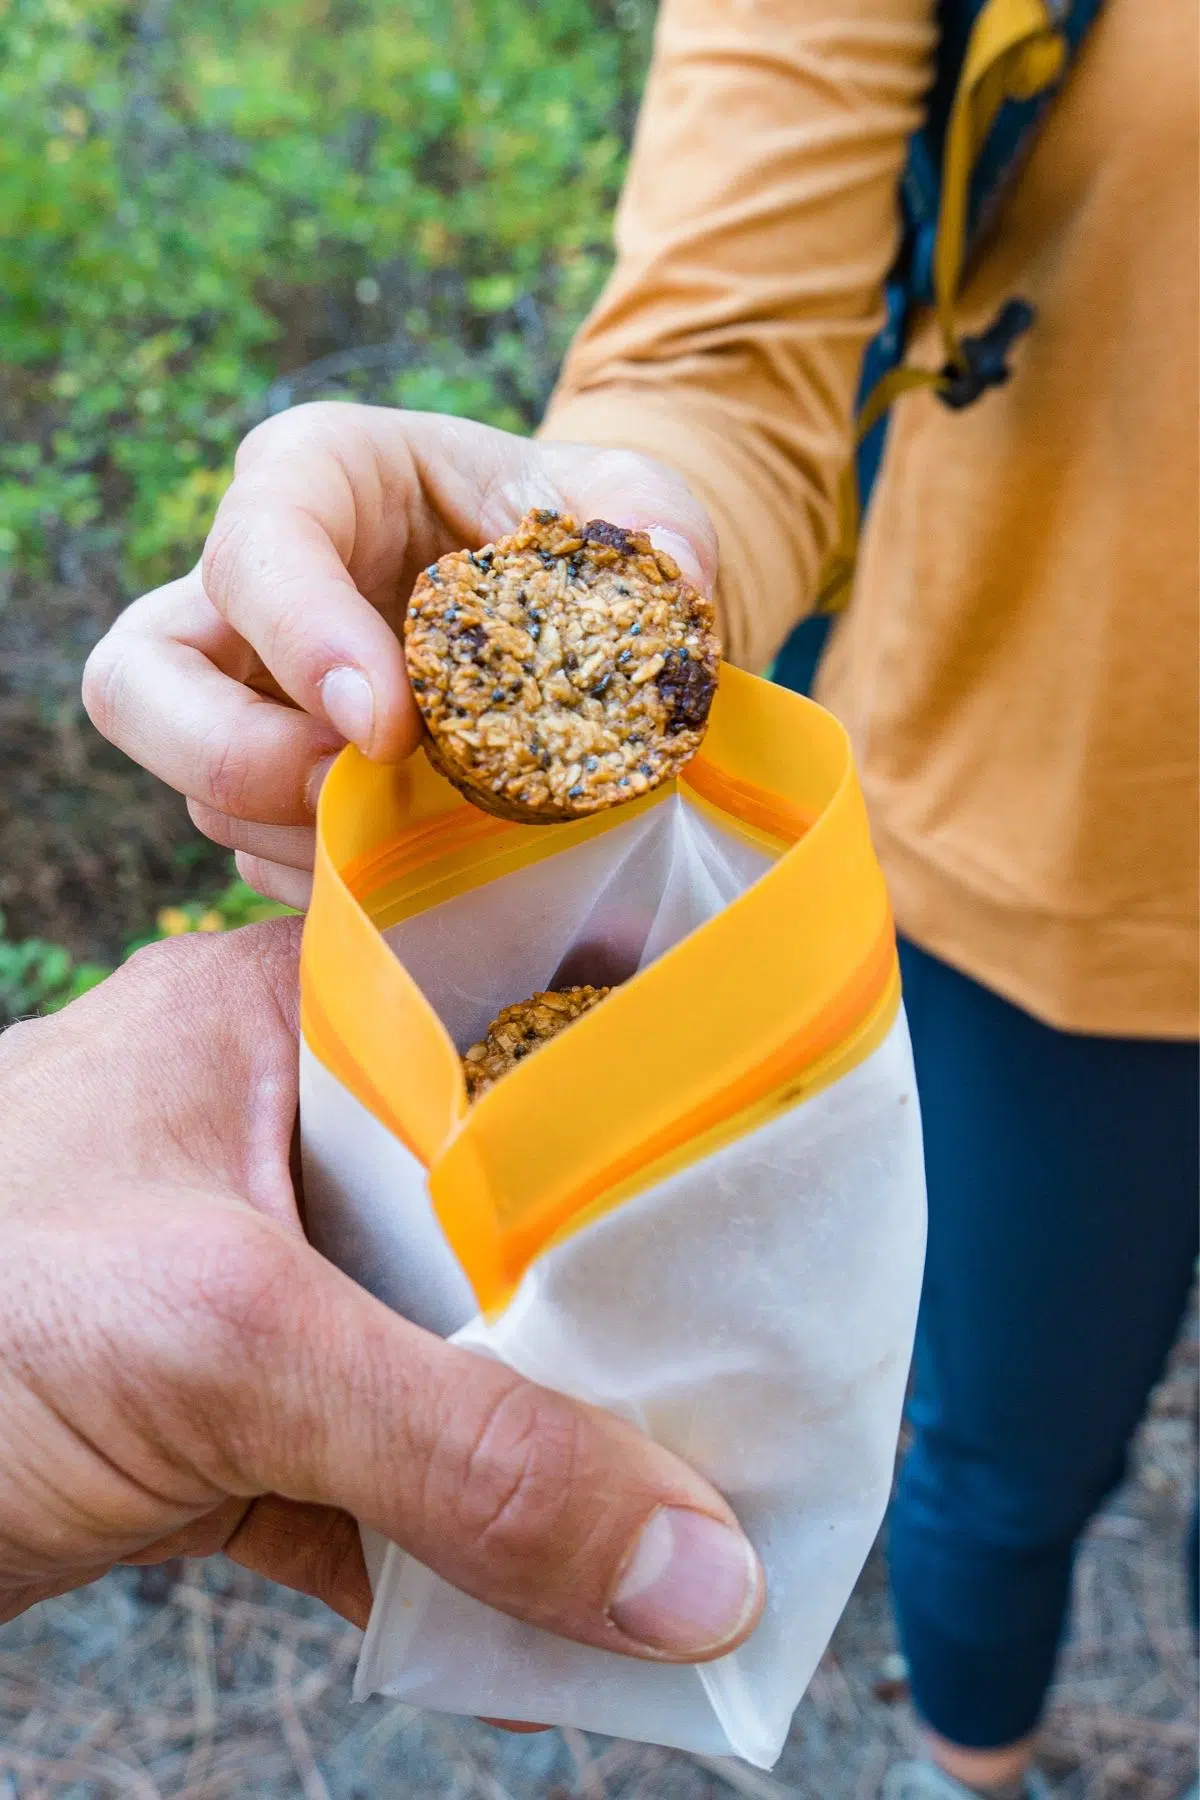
<point>979,125</point>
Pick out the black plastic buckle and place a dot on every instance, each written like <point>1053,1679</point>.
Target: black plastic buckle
<point>985,358</point>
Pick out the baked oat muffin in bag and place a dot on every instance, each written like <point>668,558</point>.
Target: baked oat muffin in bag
<point>518,1030</point>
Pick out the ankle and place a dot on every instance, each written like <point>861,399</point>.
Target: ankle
<point>1016,1789</point>
<point>993,1774</point>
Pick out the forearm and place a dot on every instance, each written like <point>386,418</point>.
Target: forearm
<point>756,229</point>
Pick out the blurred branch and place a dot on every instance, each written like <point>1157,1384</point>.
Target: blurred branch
<point>297,384</point>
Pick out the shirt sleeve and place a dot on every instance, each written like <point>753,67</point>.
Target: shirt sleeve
<point>757,226</point>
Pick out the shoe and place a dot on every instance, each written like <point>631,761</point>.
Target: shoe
<point>925,1781</point>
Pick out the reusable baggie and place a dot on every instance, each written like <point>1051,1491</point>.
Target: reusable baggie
<point>701,1206</point>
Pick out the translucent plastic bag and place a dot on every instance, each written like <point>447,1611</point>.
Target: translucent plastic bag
<point>701,1207</point>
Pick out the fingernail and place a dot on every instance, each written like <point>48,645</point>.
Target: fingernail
<point>690,1585</point>
<point>349,705</point>
<point>316,780</point>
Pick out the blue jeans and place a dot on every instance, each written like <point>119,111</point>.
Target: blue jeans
<point>1063,1176</point>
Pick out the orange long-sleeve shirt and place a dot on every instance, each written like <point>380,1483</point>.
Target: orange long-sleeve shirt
<point>1018,666</point>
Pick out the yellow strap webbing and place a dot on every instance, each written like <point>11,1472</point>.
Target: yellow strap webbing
<point>1013,52</point>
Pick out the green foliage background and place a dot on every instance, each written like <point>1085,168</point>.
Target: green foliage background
<point>213,209</point>
<point>39,976</point>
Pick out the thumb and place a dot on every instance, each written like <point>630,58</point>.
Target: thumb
<point>550,1511</point>
<point>636,491</point>
<point>625,488</point>
<point>482,482</point>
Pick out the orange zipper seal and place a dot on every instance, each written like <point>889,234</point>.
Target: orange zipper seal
<point>869,1001</point>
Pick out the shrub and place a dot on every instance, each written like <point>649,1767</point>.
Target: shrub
<point>406,202</point>
<point>211,211</point>
<point>36,976</point>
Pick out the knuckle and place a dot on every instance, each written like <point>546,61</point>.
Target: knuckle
<point>156,966</point>
<point>233,1296</point>
<point>316,419</point>
<point>227,774</point>
<point>157,975</point>
<point>309,422</point>
<point>289,887</point>
<point>102,681</point>
<point>215,825</point>
<point>224,551</point>
<point>258,442</point>
<point>21,1041</point>
<point>519,1471</point>
<point>247,836</point>
<point>263,602</point>
<point>205,984</point>
<point>175,978</point>
<point>255,871</point>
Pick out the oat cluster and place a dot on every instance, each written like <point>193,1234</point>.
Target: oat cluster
<point>562,670</point>
<point>520,1029</point>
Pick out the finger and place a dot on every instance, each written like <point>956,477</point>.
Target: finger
<point>167,705</point>
<point>291,887</point>
<point>335,507</point>
<point>314,1550</point>
<point>199,1537</point>
<point>629,489</point>
<point>292,846</point>
<point>555,1513</point>
<point>310,499</point>
<point>188,1054</point>
<point>482,482</point>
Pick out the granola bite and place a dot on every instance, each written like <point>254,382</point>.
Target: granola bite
<point>520,1029</point>
<point>562,670</point>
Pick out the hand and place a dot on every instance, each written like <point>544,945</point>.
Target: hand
<point>299,596</point>
<point>180,1373</point>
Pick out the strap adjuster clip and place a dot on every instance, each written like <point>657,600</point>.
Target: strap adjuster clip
<point>984,361</point>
